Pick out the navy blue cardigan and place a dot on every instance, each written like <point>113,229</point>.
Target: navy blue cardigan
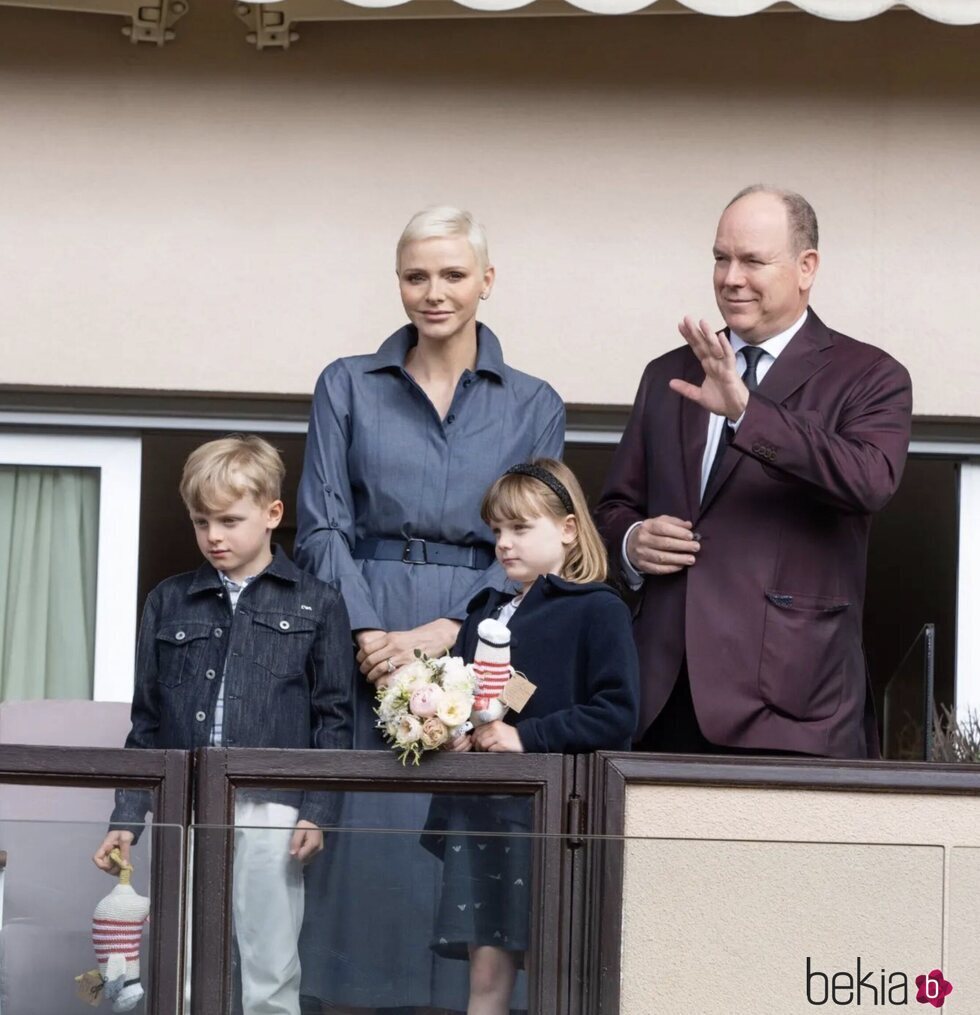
<point>575,643</point>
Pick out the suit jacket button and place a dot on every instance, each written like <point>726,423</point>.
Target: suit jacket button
<point>200,716</point>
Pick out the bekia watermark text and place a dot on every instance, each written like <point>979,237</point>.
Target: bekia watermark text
<point>868,986</point>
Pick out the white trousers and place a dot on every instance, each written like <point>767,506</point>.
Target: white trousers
<point>267,902</point>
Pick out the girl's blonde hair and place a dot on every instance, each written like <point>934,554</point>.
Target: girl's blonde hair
<point>516,497</point>
<point>220,472</point>
<point>445,220</point>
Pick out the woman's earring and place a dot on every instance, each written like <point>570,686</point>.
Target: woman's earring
<point>484,296</point>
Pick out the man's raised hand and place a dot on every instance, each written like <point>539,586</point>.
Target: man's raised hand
<point>723,391</point>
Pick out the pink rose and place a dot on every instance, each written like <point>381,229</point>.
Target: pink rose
<point>426,700</point>
<point>434,733</point>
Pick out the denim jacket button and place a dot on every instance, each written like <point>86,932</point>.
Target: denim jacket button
<point>218,632</point>
<point>180,636</point>
<point>284,625</point>
<point>210,674</point>
<point>201,716</point>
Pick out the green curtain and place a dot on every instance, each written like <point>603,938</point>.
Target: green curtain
<point>49,532</point>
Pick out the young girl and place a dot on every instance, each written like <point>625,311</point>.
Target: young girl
<point>571,637</point>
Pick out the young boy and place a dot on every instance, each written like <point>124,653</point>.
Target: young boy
<point>246,651</point>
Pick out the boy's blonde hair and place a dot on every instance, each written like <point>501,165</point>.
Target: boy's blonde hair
<point>220,472</point>
<point>515,497</point>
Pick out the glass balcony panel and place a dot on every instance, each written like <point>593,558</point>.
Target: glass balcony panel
<point>387,918</point>
<point>50,893</point>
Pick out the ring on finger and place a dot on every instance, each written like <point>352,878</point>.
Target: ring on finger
<point>391,665</point>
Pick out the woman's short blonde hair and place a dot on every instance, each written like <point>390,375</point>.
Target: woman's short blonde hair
<point>518,497</point>
<point>220,472</point>
<point>445,220</point>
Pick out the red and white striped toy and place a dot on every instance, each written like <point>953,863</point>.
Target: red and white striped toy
<point>491,664</point>
<point>117,932</point>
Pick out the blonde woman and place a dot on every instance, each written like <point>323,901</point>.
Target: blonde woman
<point>402,443</point>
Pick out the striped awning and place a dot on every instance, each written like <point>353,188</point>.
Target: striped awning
<point>952,12</point>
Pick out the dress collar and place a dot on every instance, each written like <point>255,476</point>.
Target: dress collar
<point>394,350</point>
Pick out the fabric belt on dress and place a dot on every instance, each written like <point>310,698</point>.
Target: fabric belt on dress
<point>425,551</point>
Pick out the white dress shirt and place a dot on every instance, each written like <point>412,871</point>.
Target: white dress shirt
<point>772,347</point>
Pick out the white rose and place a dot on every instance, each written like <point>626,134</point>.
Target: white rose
<point>409,678</point>
<point>408,730</point>
<point>455,709</point>
<point>457,676</point>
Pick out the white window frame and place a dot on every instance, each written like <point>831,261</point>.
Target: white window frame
<point>118,459</point>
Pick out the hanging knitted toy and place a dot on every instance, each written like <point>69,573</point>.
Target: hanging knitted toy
<point>117,931</point>
<point>491,664</point>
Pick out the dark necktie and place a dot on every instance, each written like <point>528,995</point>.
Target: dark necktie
<point>752,354</point>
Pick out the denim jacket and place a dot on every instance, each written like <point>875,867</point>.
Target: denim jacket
<point>287,658</point>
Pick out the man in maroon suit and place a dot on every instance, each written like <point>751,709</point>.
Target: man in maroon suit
<point>740,499</point>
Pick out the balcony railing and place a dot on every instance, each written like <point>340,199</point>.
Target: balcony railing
<point>653,883</point>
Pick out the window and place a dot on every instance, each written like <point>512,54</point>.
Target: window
<point>69,545</point>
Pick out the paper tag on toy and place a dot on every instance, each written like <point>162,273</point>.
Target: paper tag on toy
<point>517,691</point>
<point>88,987</point>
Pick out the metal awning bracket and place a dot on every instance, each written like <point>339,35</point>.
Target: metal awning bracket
<point>154,21</point>
<point>268,28</point>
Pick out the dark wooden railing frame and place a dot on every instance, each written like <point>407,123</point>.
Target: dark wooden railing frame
<point>166,774</point>
<point>219,773</point>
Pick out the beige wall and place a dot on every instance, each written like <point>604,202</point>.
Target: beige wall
<point>722,909</point>
<point>207,217</point>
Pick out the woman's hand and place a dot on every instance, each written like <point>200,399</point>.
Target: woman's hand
<point>378,649</point>
<point>464,742</point>
<point>497,736</point>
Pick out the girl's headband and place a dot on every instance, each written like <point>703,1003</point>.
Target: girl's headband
<point>543,475</point>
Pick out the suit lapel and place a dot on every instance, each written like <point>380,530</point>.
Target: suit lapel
<point>799,361</point>
<point>795,365</point>
<point>694,435</point>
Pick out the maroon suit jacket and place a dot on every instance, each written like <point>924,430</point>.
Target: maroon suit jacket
<point>769,617</point>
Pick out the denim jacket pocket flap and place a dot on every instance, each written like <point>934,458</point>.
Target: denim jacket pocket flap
<point>180,633</point>
<point>285,623</point>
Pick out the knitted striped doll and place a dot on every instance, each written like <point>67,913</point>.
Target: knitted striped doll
<point>117,930</point>
<point>491,664</point>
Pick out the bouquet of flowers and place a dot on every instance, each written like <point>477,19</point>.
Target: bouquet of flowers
<point>426,704</point>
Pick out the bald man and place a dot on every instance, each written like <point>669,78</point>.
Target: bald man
<point>739,502</point>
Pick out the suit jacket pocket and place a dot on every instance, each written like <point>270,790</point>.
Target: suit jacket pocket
<point>804,648</point>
